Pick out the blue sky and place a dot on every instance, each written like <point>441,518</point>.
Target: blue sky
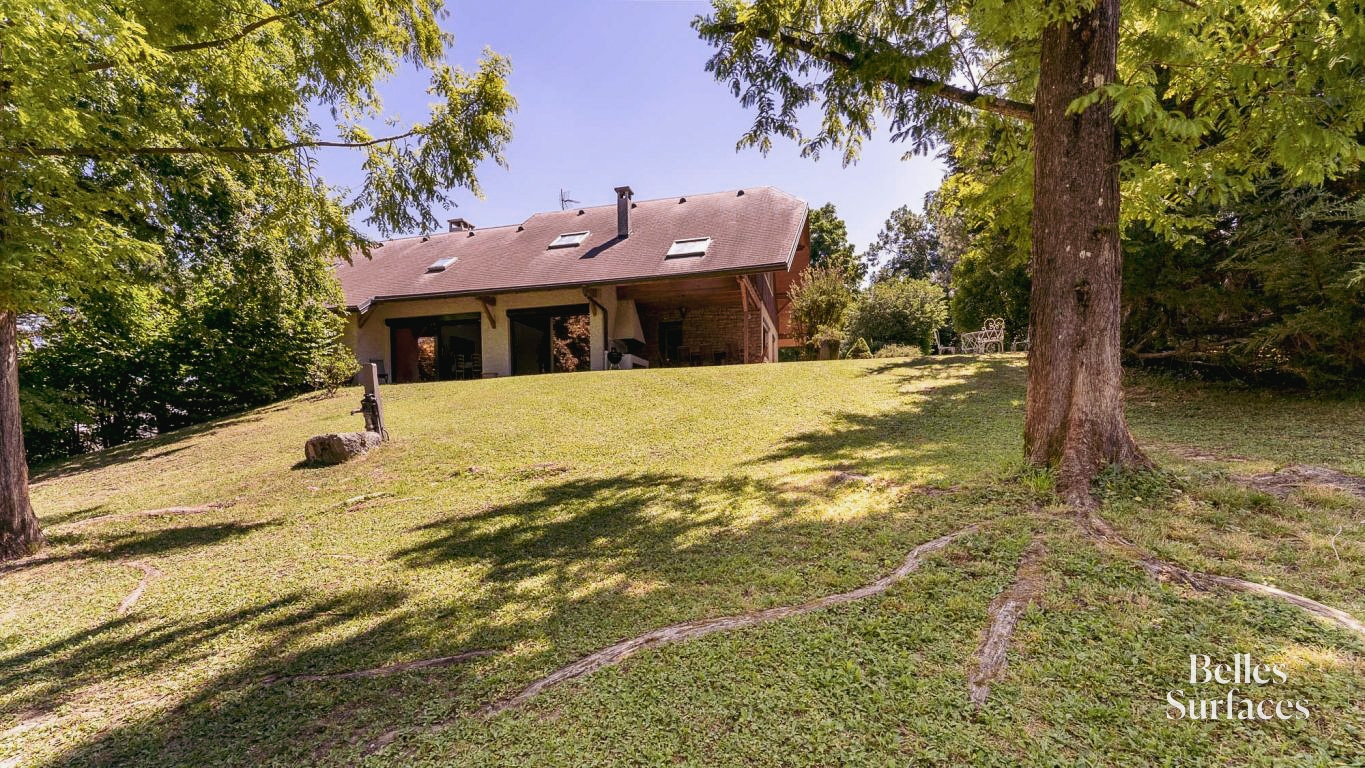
<point>615,92</point>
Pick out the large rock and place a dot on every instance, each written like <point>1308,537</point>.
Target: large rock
<point>334,449</point>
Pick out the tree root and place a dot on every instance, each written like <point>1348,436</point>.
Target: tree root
<point>384,671</point>
<point>149,572</point>
<point>1170,572</point>
<point>687,630</point>
<point>1284,481</point>
<point>164,512</point>
<point>1005,612</point>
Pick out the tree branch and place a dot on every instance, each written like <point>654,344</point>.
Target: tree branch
<point>95,152</point>
<point>221,42</point>
<point>967,98</point>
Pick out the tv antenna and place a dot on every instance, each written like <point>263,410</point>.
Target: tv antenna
<point>565,201</point>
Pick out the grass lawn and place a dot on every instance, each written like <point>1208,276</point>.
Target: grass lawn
<point>546,517</point>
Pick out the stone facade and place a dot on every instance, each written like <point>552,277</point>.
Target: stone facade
<point>705,330</point>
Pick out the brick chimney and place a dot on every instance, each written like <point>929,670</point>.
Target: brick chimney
<point>623,196</point>
<point>461,225</point>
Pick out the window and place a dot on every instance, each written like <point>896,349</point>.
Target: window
<point>440,265</point>
<point>670,340</point>
<point>695,246</point>
<point>569,240</point>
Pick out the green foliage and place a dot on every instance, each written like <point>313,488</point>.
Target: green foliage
<point>332,367</point>
<point>161,224</point>
<point>1213,100</point>
<point>96,357</point>
<point>859,350</point>
<point>907,246</point>
<point>987,285</point>
<point>1041,482</point>
<point>898,350</point>
<point>1210,96</point>
<point>239,312</point>
<point>819,300</point>
<point>1146,485</point>
<point>139,362</point>
<point>898,311</point>
<point>829,244</point>
<point>96,94</point>
<point>1265,295</point>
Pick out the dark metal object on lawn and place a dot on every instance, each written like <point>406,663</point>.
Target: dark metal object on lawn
<point>369,407</point>
<point>370,404</point>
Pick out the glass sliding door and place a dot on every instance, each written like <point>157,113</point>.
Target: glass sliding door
<point>436,348</point>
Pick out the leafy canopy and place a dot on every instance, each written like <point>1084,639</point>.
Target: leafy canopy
<point>830,246</point>
<point>1211,96</point>
<point>90,89</point>
<point>906,246</point>
<point>240,311</point>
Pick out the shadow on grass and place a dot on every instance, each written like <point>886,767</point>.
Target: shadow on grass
<point>960,419</point>
<point>128,546</point>
<point>168,443</point>
<point>575,564</point>
<point>538,564</point>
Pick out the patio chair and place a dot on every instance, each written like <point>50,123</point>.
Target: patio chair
<point>476,366</point>
<point>460,370</point>
<point>1018,342</point>
<point>941,348</point>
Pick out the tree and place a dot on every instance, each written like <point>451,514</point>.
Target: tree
<point>982,220</point>
<point>1212,94</point>
<point>990,284</point>
<point>819,299</point>
<point>898,310</point>
<point>1265,295</point>
<point>906,246</point>
<point>829,244</point>
<point>90,90</point>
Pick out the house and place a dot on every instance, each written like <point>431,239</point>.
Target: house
<point>694,280</point>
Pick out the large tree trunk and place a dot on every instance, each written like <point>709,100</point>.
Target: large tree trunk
<point>19,532</point>
<point>1074,419</point>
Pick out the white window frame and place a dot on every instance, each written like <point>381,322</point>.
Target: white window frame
<point>441,265</point>
<point>687,248</point>
<point>570,239</point>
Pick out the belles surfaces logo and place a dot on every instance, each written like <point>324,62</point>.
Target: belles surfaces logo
<point>1233,706</point>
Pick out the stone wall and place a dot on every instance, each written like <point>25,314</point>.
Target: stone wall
<point>706,329</point>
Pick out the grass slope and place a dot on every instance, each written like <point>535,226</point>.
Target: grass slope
<point>547,517</point>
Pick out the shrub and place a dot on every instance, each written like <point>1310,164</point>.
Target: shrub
<point>859,350</point>
<point>819,300</point>
<point>331,368</point>
<point>898,350</point>
<point>898,311</point>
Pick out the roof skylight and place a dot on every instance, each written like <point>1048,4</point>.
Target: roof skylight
<point>569,240</point>
<point>440,265</point>
<point>693,246</point>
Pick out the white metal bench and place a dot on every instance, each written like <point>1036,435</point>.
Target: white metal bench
<point>991,338</point>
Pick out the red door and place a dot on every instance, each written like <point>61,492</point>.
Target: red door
<point>404,355</point>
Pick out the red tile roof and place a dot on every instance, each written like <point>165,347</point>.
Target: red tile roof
<point>751,230</point>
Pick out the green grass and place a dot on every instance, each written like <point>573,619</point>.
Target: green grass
<point>546,517</point>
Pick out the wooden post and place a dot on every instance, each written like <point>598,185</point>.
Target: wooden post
<point>369,378</point>
<point>744,322</point>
